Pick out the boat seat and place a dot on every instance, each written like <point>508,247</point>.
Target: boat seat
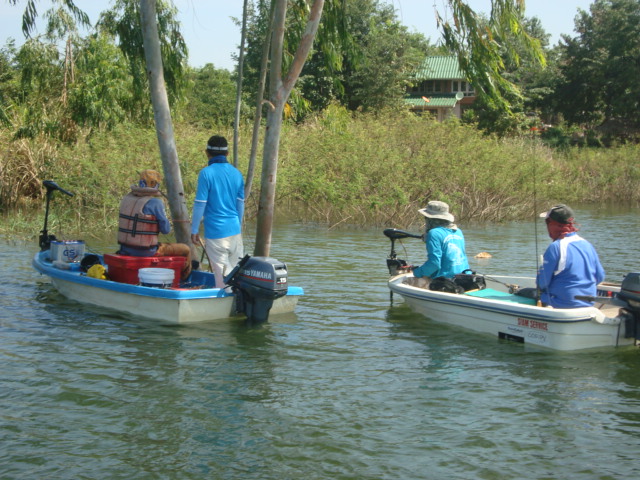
<point>491,294</point>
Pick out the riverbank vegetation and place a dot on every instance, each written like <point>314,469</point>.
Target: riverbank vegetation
<point>335,168</point>
<point>349,152</point>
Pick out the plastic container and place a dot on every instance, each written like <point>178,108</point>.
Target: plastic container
<point>156,277</point>
<point>124,268</point>
<point>68,251</point>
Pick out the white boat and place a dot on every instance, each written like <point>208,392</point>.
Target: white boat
<point>198,302</point>
<point>614,320</point>
<point>259,286</point>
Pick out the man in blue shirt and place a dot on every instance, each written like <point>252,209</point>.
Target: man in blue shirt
<point>220,201</point>
<point>446,255</point>
<point>570,264</point>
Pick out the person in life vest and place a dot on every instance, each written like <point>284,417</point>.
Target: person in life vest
<point>142,217</point>
<point>570,265</point>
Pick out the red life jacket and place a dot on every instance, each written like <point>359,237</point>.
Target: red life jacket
<point>136,229</point>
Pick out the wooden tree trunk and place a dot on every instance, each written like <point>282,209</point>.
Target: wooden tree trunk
<point>279,91</point>
<point>164,125</point>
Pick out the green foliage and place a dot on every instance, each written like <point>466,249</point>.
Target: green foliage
<point>601,70</point>
<point>102,96</point>
<point>211,97</point>
<point>335,168</point>
<point>122,21</point>
<point>485,47</point>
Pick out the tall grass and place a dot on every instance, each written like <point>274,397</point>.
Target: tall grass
<point>335,169</point>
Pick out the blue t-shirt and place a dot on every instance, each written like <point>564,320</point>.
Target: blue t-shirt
<point>446,255</point>
<point>219,199</point>
<point>570,267</point>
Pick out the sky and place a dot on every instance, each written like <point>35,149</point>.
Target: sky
<point>212,36</point>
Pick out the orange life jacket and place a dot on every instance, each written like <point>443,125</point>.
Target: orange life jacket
<point>136,229</point>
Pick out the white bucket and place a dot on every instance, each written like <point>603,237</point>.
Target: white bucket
<point>156,277</point>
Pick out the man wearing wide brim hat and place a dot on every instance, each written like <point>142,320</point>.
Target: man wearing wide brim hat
<point>570,265</point>
<point>446,255</point>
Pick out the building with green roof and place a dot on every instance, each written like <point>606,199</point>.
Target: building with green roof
<point>440,88</point>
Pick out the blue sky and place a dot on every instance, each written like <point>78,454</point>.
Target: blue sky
<point>212,36</point>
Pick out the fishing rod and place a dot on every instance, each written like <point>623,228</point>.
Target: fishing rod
<point>535,229</point>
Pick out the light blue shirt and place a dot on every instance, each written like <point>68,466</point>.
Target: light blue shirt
<point>446,255</point>
<point>219,199</point>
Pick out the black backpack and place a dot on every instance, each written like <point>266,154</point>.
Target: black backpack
<point>468,280</point>
<point>442,284</point>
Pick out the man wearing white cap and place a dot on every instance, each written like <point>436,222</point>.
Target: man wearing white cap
<point>220,200</point>
<point>570,264</point>
<point>446,255</point>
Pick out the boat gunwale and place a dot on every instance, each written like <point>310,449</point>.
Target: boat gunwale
<point>545,314</point>
<point>45,267</point>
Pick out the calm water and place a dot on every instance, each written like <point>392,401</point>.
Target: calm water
<point>348,387</point>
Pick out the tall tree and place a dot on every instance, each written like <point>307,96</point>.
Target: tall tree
<point>481,47</point>
<point>164,125</point>
<point>122,21</point>
<point>601,67</point>
<point>280,85</point>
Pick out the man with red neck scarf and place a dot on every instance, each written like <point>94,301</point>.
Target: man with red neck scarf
<point>570,265</point>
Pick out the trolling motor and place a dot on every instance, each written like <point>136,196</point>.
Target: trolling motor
<point>629,300</point>
<point>394,264</point>
<point>45,238</point>
<point>257,282</point>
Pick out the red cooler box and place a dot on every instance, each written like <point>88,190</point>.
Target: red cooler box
<point>124,269</point>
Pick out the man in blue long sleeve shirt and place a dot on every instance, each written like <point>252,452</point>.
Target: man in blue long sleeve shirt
<point>446,255</point>
<point>570,264</point>
<point>220,201</point>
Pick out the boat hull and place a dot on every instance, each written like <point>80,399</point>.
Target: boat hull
<point>501,316</point>
<point>173,306</point>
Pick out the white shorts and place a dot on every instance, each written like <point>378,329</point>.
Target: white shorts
<point>224,254</point>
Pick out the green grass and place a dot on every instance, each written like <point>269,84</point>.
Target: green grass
<point>336,169</point>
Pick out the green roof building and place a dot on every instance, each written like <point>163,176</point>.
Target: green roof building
<point>440,88</point>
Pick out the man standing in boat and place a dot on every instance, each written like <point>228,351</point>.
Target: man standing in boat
<point>570,264</point>
<point>446,255</point>
<point>220,201</point>
<point>142,217</point>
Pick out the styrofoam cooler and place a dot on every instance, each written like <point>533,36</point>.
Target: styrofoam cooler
<point>156,277</point>
<point>68,251</point>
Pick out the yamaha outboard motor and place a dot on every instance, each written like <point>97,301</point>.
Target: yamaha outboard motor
<point>257,282</point>
<point>393,262</point>
<point>630,294</point>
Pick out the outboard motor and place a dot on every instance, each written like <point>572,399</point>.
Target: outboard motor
<point>393,262</point>
<point>257,282</point>
<point>630,294</point>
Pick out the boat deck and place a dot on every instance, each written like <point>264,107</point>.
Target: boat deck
<point>491,294</point>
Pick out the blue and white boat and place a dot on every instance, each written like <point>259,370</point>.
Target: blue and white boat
<point>259,287</point>
<point>497,310</point>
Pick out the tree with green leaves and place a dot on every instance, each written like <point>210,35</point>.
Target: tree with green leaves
<point>600,69</point>
<point>482,45</point>
<point>122,21</point>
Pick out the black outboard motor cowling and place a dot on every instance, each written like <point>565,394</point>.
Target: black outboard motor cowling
<point>257,282</point>
<point>630,293</point>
